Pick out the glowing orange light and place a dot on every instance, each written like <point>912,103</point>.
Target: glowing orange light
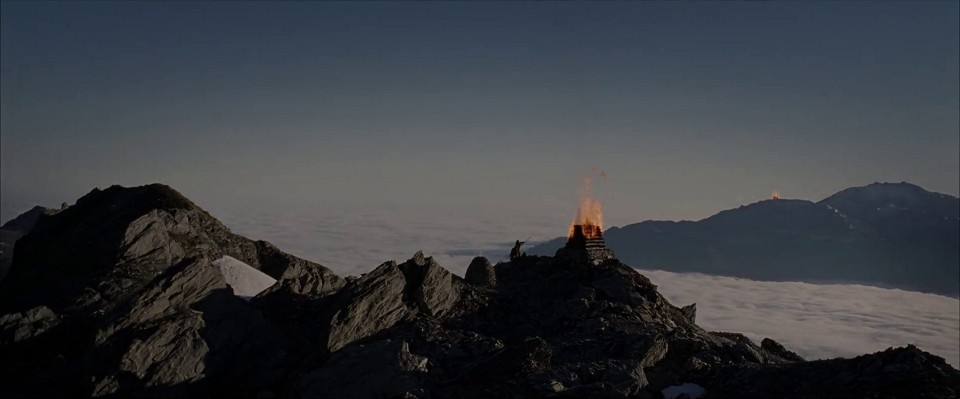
<point>589,212</point>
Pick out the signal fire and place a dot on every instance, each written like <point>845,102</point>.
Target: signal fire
<point>585,240</point>
<point>589,213</point>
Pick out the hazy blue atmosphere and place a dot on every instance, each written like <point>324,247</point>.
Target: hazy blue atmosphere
<point>478,108</point>
<point>355,133</point>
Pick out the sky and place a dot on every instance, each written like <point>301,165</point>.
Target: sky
<point>476,108</point>
<point>353,133</point>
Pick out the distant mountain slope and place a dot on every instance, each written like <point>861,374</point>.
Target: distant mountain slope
<point>888,234</point>
<point>12,230</point>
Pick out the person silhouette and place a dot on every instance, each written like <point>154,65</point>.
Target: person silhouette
<point>515,252</point>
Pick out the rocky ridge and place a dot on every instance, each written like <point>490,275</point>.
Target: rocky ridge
<point>117,296</point>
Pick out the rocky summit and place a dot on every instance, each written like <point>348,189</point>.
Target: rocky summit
<point>118,296</point>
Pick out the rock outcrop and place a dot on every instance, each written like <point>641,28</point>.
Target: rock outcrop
<point>481,273</point>
<point>118,296</point>
<point>388,295</point>
<point>126,300</point>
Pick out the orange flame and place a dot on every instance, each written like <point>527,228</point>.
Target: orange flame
<point>589,212</point>
<point>776,195</point>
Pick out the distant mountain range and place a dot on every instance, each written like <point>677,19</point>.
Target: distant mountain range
<point>888,234</point>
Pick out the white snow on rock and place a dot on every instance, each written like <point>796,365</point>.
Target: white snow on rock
<point>245,281</point>
<point>693,391</point>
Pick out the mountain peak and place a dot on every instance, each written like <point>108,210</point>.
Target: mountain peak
<point>150,196</point>
<point>902,192</point>
<point>906,202</point>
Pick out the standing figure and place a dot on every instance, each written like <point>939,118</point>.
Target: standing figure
<point>515,252</point>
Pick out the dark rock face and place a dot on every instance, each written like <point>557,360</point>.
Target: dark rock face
<point>117,296</point>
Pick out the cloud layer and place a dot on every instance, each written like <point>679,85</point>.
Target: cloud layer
<point>819,320</point>
<point>352,242</point>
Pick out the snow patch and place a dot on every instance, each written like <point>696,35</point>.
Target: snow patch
<point>245,280</point>
<point>693,391</point>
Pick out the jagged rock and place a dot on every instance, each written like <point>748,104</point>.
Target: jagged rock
<point>308,279</point>
<point>690,312</point>
<point>368,305</point>
<point>750,354</point>
<point>184,327</point>
<point>438,290</point>
<point>694,364</point>
<point>775,348</point>
<point>379,369</point>
<point>481,273</point>
<point>145,313</point>
<point>627,378</point>
<point>21,326</point>
<point>419,259</point>
<point>654,353</point>
<point>303,276</point>
<point>389,294</point>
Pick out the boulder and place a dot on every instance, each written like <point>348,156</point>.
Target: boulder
<point>16,327</point>
<point>481,273</point>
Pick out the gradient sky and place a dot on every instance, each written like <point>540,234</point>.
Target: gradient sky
<point>689,107</point>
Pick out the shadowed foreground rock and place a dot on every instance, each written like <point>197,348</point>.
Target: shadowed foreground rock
<point>117,296</point>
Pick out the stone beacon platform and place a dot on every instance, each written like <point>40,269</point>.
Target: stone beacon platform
<point>586,245</point>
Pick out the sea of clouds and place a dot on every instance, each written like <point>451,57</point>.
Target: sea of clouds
<point>814,320</point>
<point>819,321</point>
